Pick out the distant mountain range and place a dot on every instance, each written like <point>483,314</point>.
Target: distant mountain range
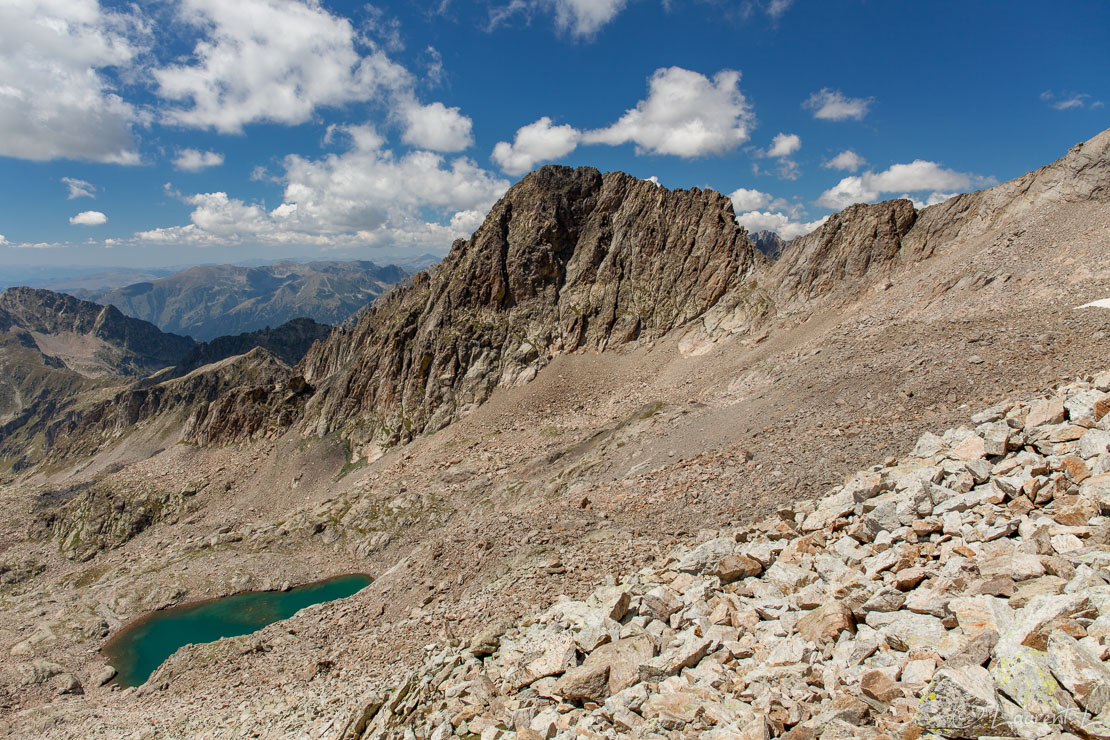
<point>60,355</point>
<point>212,301</point>
<point>67,279</point>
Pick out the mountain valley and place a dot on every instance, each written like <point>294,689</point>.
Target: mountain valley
<point>211,301</point>
<point>605,377</point>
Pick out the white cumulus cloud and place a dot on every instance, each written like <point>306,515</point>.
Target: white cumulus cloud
<point>535,143</point>
<point>364,196</point>
<point>847,160</point>
<point>57,98</point>
<point>581,18</point>
<point>914,177</point>
<point>435,127</point>
<point>269,60</point>
<point>744,199</point>
<point>686,114</point>
<point>194,160</point>
<point>780,223</point>
<point>89,218</point>
<point>586,17</point>
<point>783,145</point>
<point>79,188</point>
<point>833,105</point>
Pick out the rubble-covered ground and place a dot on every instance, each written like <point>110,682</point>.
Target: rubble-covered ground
<point>960,592</point>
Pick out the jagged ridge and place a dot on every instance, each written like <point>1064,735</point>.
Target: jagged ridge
<point>568,259</point>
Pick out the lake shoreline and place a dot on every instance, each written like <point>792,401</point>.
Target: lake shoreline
<point>111,645</point>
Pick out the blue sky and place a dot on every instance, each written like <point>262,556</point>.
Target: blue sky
<point>191,131</point>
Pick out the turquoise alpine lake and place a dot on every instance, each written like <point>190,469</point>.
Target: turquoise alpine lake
<point>138,650</point>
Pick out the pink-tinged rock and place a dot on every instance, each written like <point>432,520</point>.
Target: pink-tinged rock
<point>1046,412</point>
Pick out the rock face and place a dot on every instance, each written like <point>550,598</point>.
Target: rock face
<point>857,241</point>
<point>813,645</point>
<point>568,259</point>
<point>1081,174</point>
<point>869,240</point>
<point>220,300</point>
<point>769,244</point>
<point>288,342</point>
<point>89,338</point>
<point>245,388</point>
<point>61,356</point>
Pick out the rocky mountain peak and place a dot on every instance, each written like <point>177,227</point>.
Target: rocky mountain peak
<point>769,243</point>
<point>568,259</point>
<point>90,338</point>
<point>840,252</point>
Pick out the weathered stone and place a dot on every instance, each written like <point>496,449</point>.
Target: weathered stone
<point>612,601</point>
<point>688,651</point>
<point>979,614</point>
<point>487,641</point>
<point>977,651</point>
<point>661,602</point>
<point>734,567</point>
<point>908,631</point>
<point>623,658</point>
<point>1084,675</point>
<point>887,599</point>
<point>104,675</point>
<point>1025,676</point>
<point>961,702</point>
<point>584,683</point>
<point>1046,412</point>
<point>909,578</point>
<point>879,686</point>
<point>705,556</point>
<point>972,448</point>
<point>67,683</point>
<point>39,671</point>
<point>917,673</point>
<point>826,622</point>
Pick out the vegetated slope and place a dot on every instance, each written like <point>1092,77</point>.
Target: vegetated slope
<point>211,301</point>
<point>568,259</point>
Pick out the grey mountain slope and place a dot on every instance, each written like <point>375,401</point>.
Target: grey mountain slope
<point>211,301</point>
<point>572,260</point>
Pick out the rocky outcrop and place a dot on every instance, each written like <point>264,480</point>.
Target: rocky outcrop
<point>99,517</point>
<point>288,342</point>
<point>1080,175</point>
<point>860,241</point>
<point>242,387</point>
<point>567,260</point>
<point>769,244</point>
<point>864,243</point>
<point>90,338</point>
<point>960,592</point>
